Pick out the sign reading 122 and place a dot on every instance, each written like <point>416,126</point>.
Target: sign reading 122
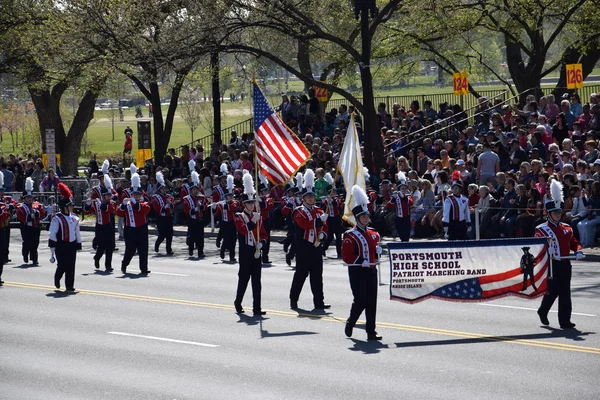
<point>460,83</point>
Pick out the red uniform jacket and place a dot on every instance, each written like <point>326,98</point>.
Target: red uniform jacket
<point>135,214</point>
<point>401,204</point>
<point>359,245</point>
<point>227,210</point>
<point>101,210</point>
<point>218,193</point>
<point>308,219</point>
<point>4,215</point>
<point>336,208</point>
<point>30,215</point>
<point>561,238</point>
<point>245,226</point>
<point>193,206</point>
<point>97,192</point>
<point>125,194</point>
<point>265,205</point>
<point>372,200</point>
<point>290,204</point>
<point>163,204</point>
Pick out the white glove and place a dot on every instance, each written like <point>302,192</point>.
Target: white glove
<point>259,245</point>
<point>324,217</point>
<point>52,259</point>
<point>214,205</point>
<point>366,264</point>
<point>321,235</point>
<point>445,232</point>
<point>469,229</point>
<point>133,200</point>
<point>378,250</point>
<point>579,255</point>
<point>255,217</point>
<point>401,194</point>
<point>88,202</point>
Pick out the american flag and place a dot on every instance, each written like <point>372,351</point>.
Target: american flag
<point>280,152</point>
<point>488,287</point>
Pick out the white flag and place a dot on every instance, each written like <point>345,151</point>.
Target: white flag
<point>351,168</point>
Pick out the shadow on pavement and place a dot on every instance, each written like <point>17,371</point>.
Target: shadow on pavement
<point>98,272</point>
<point>59,294</point>
<point>250,320</point>
<point>129,275</point>
<point>26,266</point>
<point>571,334</point>
<point>368,347</point>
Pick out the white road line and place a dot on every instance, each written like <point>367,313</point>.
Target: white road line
<point>163,339</point>
<point>167,273</point>
<point>531,309</point>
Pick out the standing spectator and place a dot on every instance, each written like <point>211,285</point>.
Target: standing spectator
<point>488,165</point>
<point>128,146</point>
<point>128,130</point>
<point>565,108</point>
<point>9,178</point>
<point>15,167</point>
<point>587,227</point>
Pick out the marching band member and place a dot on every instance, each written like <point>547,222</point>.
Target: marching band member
<point>265,206</point>
<point>293,201</point>
<point>163,205</point>
<point>104,208</point>
<point>360,250</point>
<point>456,215</point>
<point>134,210</point>
<point>401,201</point>
<point>219,193</point>
<point>64,240</point>
<point>311,231</point>
<point>97,190</point>
<point>252,237</point>
<point>10,206</point>
<point>561,243</point>
<point>4,216</point>
<point>226,210</point>
<point>193,205</point>
<point>334,207</point>
<point>30,214</point>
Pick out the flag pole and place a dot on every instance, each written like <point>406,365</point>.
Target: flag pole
<point>257,239</point>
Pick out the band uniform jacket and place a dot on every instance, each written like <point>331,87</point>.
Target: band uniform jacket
<point>372,195</point>
<point>135,214</point>
<point>309,221</point>
<point>336,206</point>
<point>561,239</point>
<point>30,215</point>
<point>163,204</point>
<point>265,205</point>
<point>193,206</point>
<point>218,193</point>
<point>359,245</point>
<point>227,210</point>
<point>64,228</point>
<point>456,208</point>
<point>401,204</point>
<point>248,230</point>
<point>97,193</point>
<point>101,210</point>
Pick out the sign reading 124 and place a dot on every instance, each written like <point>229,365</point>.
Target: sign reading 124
<point>574,76</point>
<point>460,82</point>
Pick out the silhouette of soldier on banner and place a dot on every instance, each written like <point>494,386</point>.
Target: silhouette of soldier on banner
<point>527,264</point>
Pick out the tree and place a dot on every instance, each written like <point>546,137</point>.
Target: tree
<point>250,27</point>
<point>192,106</point>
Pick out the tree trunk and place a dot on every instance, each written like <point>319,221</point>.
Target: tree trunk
<point>216,93</point>
<point>47,110</point>
<point>303,56</point>
<point>72,145</point>
<point>527,79</point>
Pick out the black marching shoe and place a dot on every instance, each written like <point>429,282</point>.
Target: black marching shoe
<point>323,307</point>
<point>568,325</point>
<point>170,252</point>
<point>259,313</point>
<point>543,319</point>
<point>155,248</point>
<point>201,255</point>
<point>232,259</point>
<point>26,259</point>
<point>145,272</point>
<point>70,289</point>
<point>1,283</point>
<point>35,262</point>
<point>267,261</point>
<point>191,251</point>
<point>124,269</point>
<point>57,283</point>
<point>97,263</point>
<point>294,305</point>
<point>238,307</point>
<point>373,336</point>
<point>348,329</point>
<point>109,269</point>
<point>288,259</point>
<point>222,253</point>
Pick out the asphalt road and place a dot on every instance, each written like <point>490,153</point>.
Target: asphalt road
<point>175,335</point>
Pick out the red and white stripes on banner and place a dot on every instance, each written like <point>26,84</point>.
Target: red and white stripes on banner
<point>280,152</point>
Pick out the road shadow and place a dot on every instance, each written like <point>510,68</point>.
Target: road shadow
<point>553,333</point>
<point>129,275</point>
<point>368,346</point>
<point>27,266</point>
<point>266,334</point>
<point>164,255</point>
<point>59,294</point>
<point>249,320</point>
<point>98,272</point>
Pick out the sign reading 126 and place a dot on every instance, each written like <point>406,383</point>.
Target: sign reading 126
<point>574,76</point>
<point>460,82</point>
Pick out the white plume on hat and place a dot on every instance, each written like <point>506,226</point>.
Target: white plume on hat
<point>224,169</point>
<point>556,190</point>
<point>299,180</point>
<point>108,182</point>
<point>329,178</point>
<point>28,185</point>
<point>366,173</point>
<point>309,179</point>
<point>105,166</point>
<point>135,181</point>
<point>359,196</point>
<point>229,182</point>
<point>1,181</point>
<point>133,169</point>
<point>192,165</point>
<point>245,171</point>
<point>401,179</point>
<point>195,178</point>
<point>248,185</point>
<point>263,179</point>
<point>160,178</point>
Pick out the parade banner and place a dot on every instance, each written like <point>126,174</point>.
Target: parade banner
<point>468,270</point>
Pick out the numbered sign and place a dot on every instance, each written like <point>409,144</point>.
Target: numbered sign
<point>460,82</point>
<point>321,93</point>
<point>574,76</point>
